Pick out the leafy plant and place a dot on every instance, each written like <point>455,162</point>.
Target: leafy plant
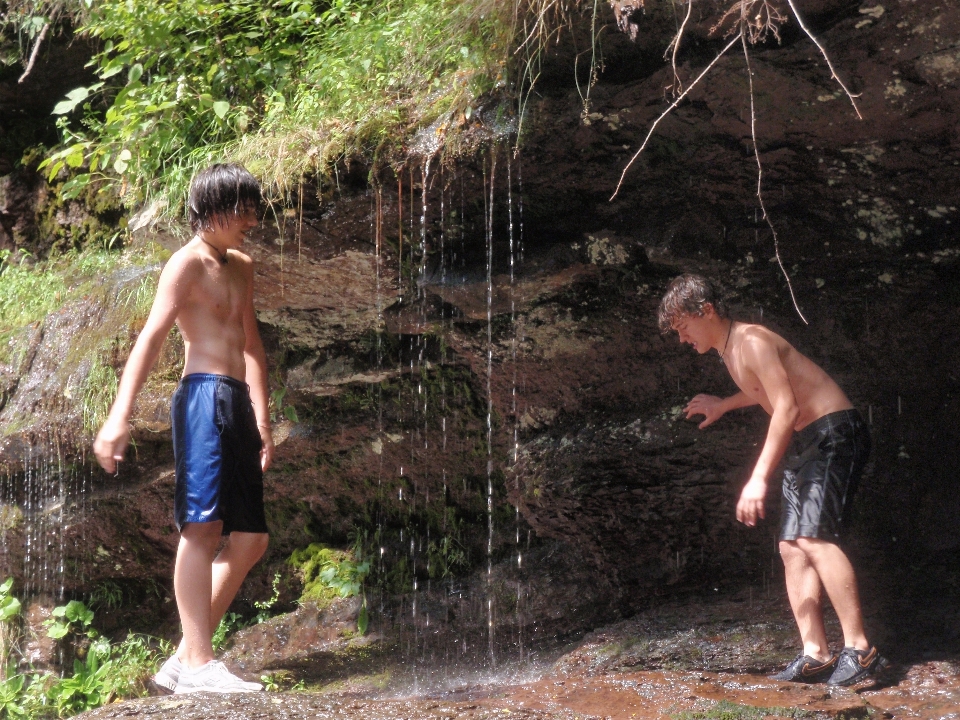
<point>328,573</point>
<point>286,86</point>
<point>85,690</point>
<point>74,616</point>
<point>229,623</point>
<point>278,409</point>
<point>9,605</point>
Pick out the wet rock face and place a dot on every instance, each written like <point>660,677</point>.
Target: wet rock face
<point>656,491</point>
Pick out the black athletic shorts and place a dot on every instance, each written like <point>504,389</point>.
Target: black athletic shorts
<point>216,447</point>
<point>821,475</point>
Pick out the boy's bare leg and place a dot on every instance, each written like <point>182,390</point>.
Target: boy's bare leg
<point>804,591</point>
<point>192,584</point>
<point>230,567</point>
<point>836,574</point>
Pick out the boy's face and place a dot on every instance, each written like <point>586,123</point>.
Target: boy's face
<point>234,228</point>
<point>695,329</point>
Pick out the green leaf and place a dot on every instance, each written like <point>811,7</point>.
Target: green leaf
<point>73,187</point>
<point>58,630</point>
<point>78,94</point>
<point>291,414</point>
<point>63,107</point>
<point>220,108</point>
<point>75,159</point>
<point>9,608</point>
<point>363,620</point>
<point>135,73</point>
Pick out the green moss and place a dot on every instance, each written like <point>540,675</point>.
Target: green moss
<point>328,573</point>
<point>725,710</point>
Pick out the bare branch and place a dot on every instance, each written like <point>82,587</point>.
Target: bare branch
<point>33,53</point>
<point>756,155</point>
<point>670,109</point>
<point>833,71</point>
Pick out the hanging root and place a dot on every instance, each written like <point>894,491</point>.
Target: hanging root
<point>670,109</point>
<point>756,155</point>
<point>833,70</point>
<point>33,55</point>
<point>675,46</point>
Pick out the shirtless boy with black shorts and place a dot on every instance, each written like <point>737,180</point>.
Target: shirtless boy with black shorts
<point>828,445</point>
<point>221,425</point>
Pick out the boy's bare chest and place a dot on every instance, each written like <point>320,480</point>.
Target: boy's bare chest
<point>746,380</point>
<point>220,295</point>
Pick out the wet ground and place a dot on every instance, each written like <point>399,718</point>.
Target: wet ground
<point>930,691</point>
<point>686,660</point>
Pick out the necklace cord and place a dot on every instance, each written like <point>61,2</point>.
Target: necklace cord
<point>223,256</point>
<point>727,341</point>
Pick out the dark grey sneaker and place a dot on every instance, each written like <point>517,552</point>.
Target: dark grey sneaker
<point>806,669</point>
<point>855,665</point>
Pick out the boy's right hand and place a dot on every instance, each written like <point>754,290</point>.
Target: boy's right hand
<point>111,443</point>
<point>710,406</point>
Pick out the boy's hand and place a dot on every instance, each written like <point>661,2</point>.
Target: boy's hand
<point>266,451</point>
<point>750,507</point>
<point>710,406</point>
<point>111,443</point>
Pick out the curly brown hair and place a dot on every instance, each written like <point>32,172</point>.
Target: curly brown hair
<point>686,295</point>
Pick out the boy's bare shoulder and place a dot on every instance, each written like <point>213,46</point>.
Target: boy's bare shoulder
<point>186,260</point>
<point>241,258</point>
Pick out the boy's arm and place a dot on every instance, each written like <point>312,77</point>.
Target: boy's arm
<point>713,408</point>
<point>256,375</point>
<point>763,359</point>
<point>172,289</point>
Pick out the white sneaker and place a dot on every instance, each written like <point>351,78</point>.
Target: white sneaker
<point>212,677</point>
<point>168,674</point>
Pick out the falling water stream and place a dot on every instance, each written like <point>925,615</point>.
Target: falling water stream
<point>42,503</point>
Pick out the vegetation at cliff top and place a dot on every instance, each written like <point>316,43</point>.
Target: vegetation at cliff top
<point>287,87</point>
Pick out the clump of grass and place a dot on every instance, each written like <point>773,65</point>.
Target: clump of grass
<point>289,87</point>
<point>121,284</point>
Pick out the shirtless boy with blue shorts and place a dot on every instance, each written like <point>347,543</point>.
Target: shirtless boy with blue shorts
<point>828,444</point>
<point>221,425</point>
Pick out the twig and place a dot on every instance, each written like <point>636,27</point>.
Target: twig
<point>756,155</point>
<point>675,44</point>
<point>833,71</point>
<point>33,53</point>
<point>670,109</point>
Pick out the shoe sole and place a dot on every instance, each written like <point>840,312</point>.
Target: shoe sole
<point>157,689</point>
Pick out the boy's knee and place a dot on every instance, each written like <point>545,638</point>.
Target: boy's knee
<point>251,545</point>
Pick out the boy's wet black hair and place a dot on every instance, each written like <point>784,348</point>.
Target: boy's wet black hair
<point>219,192</point>
<point>686,295</point>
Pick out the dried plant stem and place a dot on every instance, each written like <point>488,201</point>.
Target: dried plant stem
<point>33,53</point>
<point>675,45</point>
<point>670,109</point>
<point>833,71</point>
<point>763,207</point>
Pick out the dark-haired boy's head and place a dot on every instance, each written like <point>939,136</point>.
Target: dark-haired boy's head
<point>220,192</point>
<point>687,295</point>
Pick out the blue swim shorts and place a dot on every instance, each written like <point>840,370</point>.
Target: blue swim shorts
<point>216,446</point>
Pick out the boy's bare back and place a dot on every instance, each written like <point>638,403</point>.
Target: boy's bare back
<point>211,301</point>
